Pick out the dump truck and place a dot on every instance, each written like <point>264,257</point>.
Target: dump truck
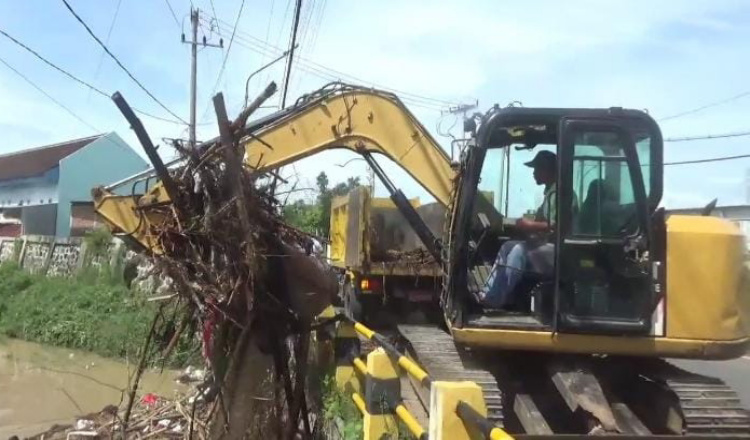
<point>585,348</point>
<point>382,260</point>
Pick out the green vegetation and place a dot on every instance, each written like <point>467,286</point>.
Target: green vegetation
<point>315,218</point>
<point>92,310</point>
<point>339,411</point>
<point>91,315</point>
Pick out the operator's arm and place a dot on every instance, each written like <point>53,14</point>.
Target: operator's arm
<point>532,225</point>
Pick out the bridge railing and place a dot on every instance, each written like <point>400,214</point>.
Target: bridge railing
<point>457,410</point>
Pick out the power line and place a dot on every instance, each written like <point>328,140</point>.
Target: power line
<point>76,79</point>
<point>341,75</point>
<point>229,47</point>
<point>40,90</point>
<point>711,159</point>
<point>109,34</point>
<point>226,57</point>
<point>106,49</point>
<point>703,107</point>
<point>327,76</point>
<point>216,17</point>
<point>708,136</point>
<point>268,34</point>
<point>290,58</point>
<point>174,16</point>
<point>308,31</point>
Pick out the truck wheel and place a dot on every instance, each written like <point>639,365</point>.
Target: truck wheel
<point>352,304</point>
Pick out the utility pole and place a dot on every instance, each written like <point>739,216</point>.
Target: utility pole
<point>292,45</point>
<point>194,22</point>
<point>460,109</point>
<point>193,72</point>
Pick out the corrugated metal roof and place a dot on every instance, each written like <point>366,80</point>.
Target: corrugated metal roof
<point>36,161</point>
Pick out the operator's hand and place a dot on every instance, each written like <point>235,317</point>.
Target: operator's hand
<point>523,223</point>
<point>527,225</point>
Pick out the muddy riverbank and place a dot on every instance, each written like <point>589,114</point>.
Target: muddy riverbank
<point>41,385</point>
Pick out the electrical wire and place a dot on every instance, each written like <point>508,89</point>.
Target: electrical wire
<point>332,78</point>
<point>250,39</point>
<point>109,34</point>
<point>283,21</point>
<point>226,57</point>
<point>40,90</point>
<point>106,49</point>
<point>76,79</point>
<point>707,136</point>
<point>318,24</point>
<point>216,17</point>
<point>257,46</point>
<point>268,34</point>
<point>229,46</point>
<point>711,159</point>
<point>703,107</point>
<point>290,57</point>
<point>174,16</point>
<point>308,30</point>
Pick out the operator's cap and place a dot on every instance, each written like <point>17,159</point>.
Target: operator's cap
<point>543,158</point>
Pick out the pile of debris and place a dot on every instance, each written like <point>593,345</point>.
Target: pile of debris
<point>418,257</point>
<point>242,279</point>
<point>152,417</point>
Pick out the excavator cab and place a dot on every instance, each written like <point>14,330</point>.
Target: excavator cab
<point>596,267</point>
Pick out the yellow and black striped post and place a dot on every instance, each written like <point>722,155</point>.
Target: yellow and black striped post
<point>346,347</point>
<point>410,422</point>
<point>322,339</point>
<point>479,423</point>
<point>382,390</point>
<point>445,422</point>
<point>404,362</point>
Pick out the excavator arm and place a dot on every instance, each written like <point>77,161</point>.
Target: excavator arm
<point>361,120</point>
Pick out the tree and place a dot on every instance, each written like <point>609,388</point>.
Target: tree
<point>306,217</point>
<point>316,218</point>
<point>325,197</point>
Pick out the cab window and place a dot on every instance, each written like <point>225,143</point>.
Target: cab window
<point>508,184</point>
<point>602,178</point>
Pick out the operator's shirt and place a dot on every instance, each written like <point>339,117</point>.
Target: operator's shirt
<point>548,210</point>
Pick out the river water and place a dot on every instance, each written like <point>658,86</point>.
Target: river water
<point>41,385</point>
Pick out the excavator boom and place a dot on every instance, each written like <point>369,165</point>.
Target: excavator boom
<point>358,119</point>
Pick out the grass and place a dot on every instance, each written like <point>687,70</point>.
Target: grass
<point>338,407</point>
<point>96,313</point>
<point>93,315</point>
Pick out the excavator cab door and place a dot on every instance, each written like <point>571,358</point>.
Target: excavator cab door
<point>602,261</point>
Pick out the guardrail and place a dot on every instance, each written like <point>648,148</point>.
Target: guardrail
<point>457,410</point>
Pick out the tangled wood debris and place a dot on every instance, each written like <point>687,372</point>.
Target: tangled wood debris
<point>153,417</point>
<point>243,281</point>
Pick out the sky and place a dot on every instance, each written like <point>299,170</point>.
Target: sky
<point>664,57</point>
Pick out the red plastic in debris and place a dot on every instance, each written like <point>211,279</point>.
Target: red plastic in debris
<point>150,399</point>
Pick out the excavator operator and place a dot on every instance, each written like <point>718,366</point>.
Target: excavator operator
<point>536,253</point>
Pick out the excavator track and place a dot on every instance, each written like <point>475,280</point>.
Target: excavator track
<point>708,405</point>
<point>670,400</point>
<point>438,354</point>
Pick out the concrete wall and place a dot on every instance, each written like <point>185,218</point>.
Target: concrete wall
<point>48,255</point>
<point>102,162</point>
<point>39,220</point>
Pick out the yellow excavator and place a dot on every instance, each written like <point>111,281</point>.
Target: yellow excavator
<point>583,348</point>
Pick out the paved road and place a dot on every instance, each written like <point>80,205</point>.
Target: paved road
<point>735,373</point>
